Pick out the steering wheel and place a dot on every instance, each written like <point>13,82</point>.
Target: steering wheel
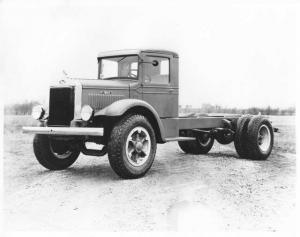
<point>130,74</point>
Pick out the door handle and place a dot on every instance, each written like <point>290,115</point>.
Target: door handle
<point>171,90</point>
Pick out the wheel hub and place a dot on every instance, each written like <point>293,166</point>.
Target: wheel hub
<point>264,138</point>
<point>59,149</point>
<point>139,146</point>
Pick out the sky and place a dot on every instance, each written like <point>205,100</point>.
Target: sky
<point>234,54</point>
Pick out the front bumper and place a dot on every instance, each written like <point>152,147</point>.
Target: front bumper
<point>67,131</point>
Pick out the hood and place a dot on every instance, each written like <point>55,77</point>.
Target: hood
<point>101,93</point>
<point>106,84</point>
<point>96,83</point>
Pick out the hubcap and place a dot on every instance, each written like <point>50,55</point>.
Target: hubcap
<point>138,146</point>
<point>264,138</point>
<point>60,155</point>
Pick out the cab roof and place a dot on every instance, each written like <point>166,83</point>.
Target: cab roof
<point>135,51</point>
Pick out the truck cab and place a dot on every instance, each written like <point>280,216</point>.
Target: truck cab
<point>154,75</point>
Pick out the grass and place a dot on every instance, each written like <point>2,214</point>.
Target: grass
<point>285,140</point>
<point>14,123</point>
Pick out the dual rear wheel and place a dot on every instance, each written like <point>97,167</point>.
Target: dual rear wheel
<point>254,137</point>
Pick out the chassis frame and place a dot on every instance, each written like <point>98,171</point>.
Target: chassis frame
<point>173,127</point>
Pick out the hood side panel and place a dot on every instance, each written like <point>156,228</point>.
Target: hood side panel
<point>100,98</point>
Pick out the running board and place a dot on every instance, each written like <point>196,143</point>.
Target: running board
<point>181,139</point>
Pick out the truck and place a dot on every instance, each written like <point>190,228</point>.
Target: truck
<point>127,110</point>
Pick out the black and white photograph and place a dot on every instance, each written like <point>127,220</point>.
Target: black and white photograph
<point>157,116</point>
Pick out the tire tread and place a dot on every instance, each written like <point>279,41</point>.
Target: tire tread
<point>240,138</point>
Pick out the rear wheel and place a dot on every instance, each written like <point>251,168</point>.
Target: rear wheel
<point>260,138</point>
<point>132,147</point>
<point>53,154</point>
<point>201,145</point>
<point>241,136</point>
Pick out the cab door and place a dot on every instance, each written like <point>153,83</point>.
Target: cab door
<point>157,87</point>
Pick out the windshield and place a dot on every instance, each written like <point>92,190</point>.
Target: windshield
<point>122,67</point>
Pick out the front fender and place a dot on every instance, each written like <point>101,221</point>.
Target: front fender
<point>120,107</point>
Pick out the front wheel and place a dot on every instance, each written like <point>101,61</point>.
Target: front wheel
<point>132,147</point>
<point>54,154</point>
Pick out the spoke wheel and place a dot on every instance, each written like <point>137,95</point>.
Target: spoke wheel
<point>138,146</point>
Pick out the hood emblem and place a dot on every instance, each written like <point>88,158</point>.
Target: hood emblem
<point>106,92</point>
<point>62,82</point>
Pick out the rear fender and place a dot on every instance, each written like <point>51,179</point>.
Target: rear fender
<point>121,107</point>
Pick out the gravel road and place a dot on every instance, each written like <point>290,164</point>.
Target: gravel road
<point>216,191</point>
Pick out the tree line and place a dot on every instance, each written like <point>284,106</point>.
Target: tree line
<point>25,108</point>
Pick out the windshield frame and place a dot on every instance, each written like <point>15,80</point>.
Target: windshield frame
<point>116,56</point>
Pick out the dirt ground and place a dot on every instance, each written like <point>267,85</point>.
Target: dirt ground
<point>216,191</point>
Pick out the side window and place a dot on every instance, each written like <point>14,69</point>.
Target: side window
<point>157,74</point>
<point>164,67</point>
<point>134,69</point>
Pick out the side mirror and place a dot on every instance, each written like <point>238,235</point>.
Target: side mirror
<point>155,63</point>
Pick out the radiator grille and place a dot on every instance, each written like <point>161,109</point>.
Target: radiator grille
<point>61,106</point>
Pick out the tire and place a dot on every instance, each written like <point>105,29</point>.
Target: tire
<point>240,138</point>
<point>260,138</point>
<point>131,147</point>
<point>53,155</point>
<point>202,145</point>
<point>184,146</point>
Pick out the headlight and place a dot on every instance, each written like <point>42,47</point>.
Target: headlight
<point>86,113</point>
<point>38,112</point>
